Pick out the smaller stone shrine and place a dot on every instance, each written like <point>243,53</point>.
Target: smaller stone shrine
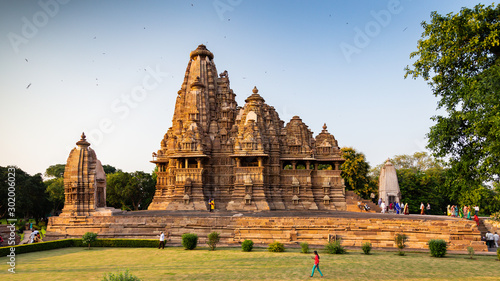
<point>84,183</point>
<point>388,186</point>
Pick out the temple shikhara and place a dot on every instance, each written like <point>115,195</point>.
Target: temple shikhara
<point>244,157</point>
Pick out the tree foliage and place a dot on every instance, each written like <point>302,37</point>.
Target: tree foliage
<point>355,172</point>
<point>31,200</point>
<point>458,54</point>
<point>55,171</point>
<point>130,191</point>
<point>55,190</point>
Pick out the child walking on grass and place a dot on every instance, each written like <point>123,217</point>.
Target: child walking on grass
<point>316,264</point>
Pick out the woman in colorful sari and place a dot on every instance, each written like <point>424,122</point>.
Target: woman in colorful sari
<point>456,211</point>
<point>460,212</point>
<point>397,208</point>
<point>469,213</point>
<point>448,211</point>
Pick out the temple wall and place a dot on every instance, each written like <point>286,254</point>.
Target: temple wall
<point>263,230</point>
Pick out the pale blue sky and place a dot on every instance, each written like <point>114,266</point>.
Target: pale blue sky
<point>85,62</point>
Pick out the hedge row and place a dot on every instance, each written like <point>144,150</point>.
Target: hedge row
<point>75,242</point>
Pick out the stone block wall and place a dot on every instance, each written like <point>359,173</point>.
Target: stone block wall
<point>263,230</point>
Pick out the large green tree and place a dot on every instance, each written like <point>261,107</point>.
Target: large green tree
<point>355,173</point>
<point>130,191</point>
<point>458,55</point>
<point>31,201</point>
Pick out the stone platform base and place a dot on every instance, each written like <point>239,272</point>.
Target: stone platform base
<point>288,227</point>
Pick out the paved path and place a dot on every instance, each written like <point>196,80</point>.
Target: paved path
<point>287,213</point>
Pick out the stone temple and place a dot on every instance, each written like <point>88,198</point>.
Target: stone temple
<point>388,186</point>
<point>244,157</point>
<point>247,159</point>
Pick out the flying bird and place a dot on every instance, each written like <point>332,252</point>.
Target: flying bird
<point>26,60</point>
<point>28,85</point>
<point>405,29</point>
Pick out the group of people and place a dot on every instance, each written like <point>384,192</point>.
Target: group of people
<point>491,239</point>
<point>424,209</point>
<point>35,237</point>
<point>467,212</point>
<point>400,209</point>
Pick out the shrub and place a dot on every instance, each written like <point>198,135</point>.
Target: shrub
<point>189,241</point>
<point>304,247</point>
<point>276,247</point>
<point>335,247</point>
<point>498,254</point>
<point>366,247</point>
<point>247,245</point>
<point>470,250</point>
<point>88,238</point>
<point>400,241</point>
<point>213,239</point>
<point>125,276</point>
<point>437,247</point>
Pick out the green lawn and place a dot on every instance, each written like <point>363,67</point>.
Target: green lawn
<point>233,264</point>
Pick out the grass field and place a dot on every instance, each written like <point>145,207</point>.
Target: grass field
<point>233,264</point>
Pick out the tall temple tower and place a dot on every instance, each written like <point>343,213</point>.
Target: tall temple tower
<point>243,157</point>
<point>84,182</point>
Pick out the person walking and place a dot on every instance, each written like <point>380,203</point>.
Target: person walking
<point>495,238</point>
<point>422,208</point>
<point>162,241</point>
<point>476,210</point>
<point>428,209</point>
<point>406,210</point>
<point>316,264</point>
<point>382,206</point>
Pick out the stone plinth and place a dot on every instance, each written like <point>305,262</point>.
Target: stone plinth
<point>266,227</point>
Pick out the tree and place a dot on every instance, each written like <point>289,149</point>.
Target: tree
<point>55,189</point>
<point>54,186</point>
<point>108,169</point>
<point>31,199</point>
<point>459,56</point>
<point>355,171</point>
<point>55,171</point>
<point>88,238</point>
<point>130,191</point>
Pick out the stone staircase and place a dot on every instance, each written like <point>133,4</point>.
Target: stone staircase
<point>483,228</point>
<point>352,200</point>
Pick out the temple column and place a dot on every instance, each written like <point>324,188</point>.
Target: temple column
<point>294,164</point>
<point>259,159</point>
<point>237,162</point>
<point>186,161</point>
<point>336,166</point>
<point>198,160</point>
<point>308,165</point>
